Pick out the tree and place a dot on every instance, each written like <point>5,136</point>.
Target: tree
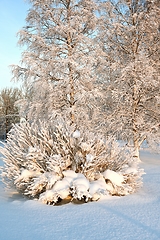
<point>130,36</point>
<point>60,60</point>
<point>8,110</point>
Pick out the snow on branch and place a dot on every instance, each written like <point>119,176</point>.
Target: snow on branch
<point>53,163</point>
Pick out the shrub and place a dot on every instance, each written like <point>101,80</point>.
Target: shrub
<point>51,162</point>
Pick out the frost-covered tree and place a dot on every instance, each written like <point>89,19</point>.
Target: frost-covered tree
<point>130,36</point>
<point>60,59</point>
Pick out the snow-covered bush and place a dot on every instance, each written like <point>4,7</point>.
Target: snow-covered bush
<point>51,162</point>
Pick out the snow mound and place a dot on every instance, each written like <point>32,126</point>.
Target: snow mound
<point>98,188</point>
<point>70,173</point>
<point>59,191</point>
<point>114,177</point>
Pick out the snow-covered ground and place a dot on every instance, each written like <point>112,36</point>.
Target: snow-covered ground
<point>133,217</point>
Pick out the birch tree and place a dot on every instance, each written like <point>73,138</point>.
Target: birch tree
<point>131,37</point>
<point>61,57</point>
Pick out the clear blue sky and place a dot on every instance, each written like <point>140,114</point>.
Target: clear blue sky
<point>12,19</point>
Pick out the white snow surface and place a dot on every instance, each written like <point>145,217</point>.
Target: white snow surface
<point>133,217</point>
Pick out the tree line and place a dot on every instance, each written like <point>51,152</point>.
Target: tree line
<point>9,112</point>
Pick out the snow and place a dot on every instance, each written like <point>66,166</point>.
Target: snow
<point>97,188</point>
<point>89,157</point>
<point>76,134</point>
<point>60,189</point>
<point>114,177</point>
<point>70,173</point>
<point>25,174</point>
<point>133,217</point>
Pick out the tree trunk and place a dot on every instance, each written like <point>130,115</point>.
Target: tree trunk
<point>70,68</point>
<point>136,149</point>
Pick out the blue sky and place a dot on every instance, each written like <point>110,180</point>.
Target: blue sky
<point>12,19</point>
